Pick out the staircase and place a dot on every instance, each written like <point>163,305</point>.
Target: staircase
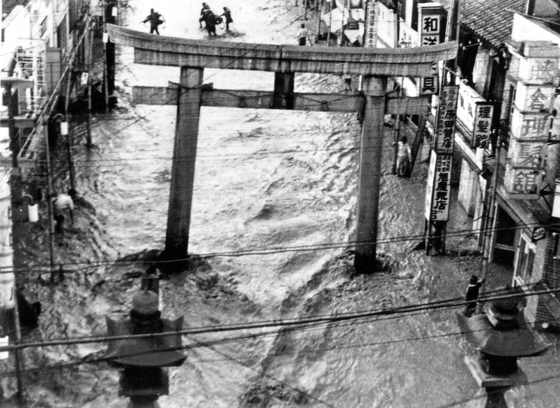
<point>31,61</point>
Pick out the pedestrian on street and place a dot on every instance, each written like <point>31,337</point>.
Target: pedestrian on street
<point>227,16</point>
<point>62,203</point>
<point>155,20</point>
<point>302,35</point>
<point>347,82</point>
<point>471,295</point>
<point>403,158</point>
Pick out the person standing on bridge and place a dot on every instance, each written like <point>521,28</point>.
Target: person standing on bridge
<point>155,20</point>
<point>227,16</point>
<point>302,35</point>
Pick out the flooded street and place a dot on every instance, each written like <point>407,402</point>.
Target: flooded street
<point>278,181</point>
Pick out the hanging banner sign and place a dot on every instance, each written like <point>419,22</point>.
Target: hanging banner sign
<point>445,122</point>
<point>372,14</point>
<point>430,19</point>
<point>482,124</point>
<point>430,24</point>
<point>438,190</point>
<point>430,85</point>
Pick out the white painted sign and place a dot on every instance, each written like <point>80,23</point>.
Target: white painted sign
<point>466,105</point>
<point>482,125</point>
<point>372,15</point>
<point>439,187</point>
<point>445,122</point>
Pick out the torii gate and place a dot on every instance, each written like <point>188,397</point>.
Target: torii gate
<point>193,56</point>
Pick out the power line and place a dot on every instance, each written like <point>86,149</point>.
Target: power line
<point>401,310</point>
<point>259,251</point>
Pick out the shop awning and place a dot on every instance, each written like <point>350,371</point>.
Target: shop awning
<point>358,34</point>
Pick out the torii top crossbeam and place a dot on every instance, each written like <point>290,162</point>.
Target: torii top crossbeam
<point>173,51</point>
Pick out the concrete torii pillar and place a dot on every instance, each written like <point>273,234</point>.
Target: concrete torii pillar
<point>189,100</point>
<point>371,153</point>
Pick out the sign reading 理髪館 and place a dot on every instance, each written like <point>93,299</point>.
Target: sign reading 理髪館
<point>482,124</point>
<point>438,189</point>
<point>445,122</point>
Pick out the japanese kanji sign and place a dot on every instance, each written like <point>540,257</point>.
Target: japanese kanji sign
<point>430,85</point>
<point>445,122</point>
<point>439,188</point>
<point>430,23</point>
<point>430,34</point>
<point>372,14</point>
<point>482,124</point>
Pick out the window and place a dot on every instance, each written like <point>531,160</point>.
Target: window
<point>525,257</point>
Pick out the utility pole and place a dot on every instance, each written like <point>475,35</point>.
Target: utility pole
<point>105,68</point>
<point>489,218</point>
<point>342,22</point>
<point>68,136</point>
<point>89,64</point>
<point>330,23</point>
<point>322,11</point>
<point>49,199</point>
<point>15,179</point>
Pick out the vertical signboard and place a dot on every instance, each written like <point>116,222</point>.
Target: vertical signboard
<point>430,21</point>
<point>482,124</point>
<point>439,188</point>
<point>372,14</point>
<point>445,122</point>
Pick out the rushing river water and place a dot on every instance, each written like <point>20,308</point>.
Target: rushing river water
<point>264,179</point>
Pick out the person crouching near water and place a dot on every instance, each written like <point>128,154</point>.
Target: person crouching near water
<point>61,204</point>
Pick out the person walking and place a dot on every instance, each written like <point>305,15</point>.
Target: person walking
<point>155,20</point>
<point>302,35</point>
<point>347,82</point>
<point>227,16</point>
<point>61,203</point>
<point>403,158</point>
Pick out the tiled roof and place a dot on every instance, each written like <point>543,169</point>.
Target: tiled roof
<point>491,19</point>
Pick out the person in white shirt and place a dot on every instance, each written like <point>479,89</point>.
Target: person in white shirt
<point>62,203</point>
<point>302,35</point>
<point>403,158</point>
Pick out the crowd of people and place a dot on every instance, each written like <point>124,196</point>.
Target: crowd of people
<point>207,16</point>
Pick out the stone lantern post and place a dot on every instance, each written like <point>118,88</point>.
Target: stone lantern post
<point>144,359</point>
<point>500,336</point>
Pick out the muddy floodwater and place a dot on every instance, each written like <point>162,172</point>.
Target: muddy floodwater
<point>277,181</point>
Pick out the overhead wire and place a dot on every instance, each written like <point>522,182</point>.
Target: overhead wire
<point>400,310</point>
<point>261,251</point>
